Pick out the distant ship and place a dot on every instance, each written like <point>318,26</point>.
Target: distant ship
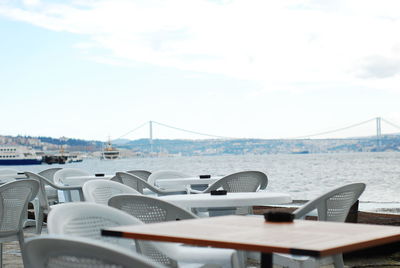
<point>18,155</point>
<point>109,152</point>
<point>300,152</point>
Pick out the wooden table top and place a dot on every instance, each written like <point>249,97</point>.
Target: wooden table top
<point>312,238</point>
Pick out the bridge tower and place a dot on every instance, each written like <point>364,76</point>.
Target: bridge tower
<point>378,134</point>
<point>151,136</point>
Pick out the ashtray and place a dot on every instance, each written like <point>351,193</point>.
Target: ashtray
<point>99,174</point>
<point>218,192</point>
<point>278,216</point>
<point>205,176</point>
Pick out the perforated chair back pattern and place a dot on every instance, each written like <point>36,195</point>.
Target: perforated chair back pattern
<point>49,251</point>
<point>14,199</point>
<point>49,173</point>
<point>143,174</point>
<point>165,174</point>
<point>87,219</point>
<point>333,205</point>
<point>130,180</point>
<point>99,191</point>
<point>139,184</point>
<point>245,181</point>
<point>149,209</point>
<point>61,174</point>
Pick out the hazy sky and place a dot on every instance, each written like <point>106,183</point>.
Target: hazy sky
<point>247,68</point>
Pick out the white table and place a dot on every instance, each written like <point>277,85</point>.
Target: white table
<point>172,183</point>
<point>80,180</point>
<point>229,200</point>
<point>10,177</point>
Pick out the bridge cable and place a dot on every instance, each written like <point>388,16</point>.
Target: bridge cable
<point>335,130</point>
<point>193,132</point>
<point>387,122</point>
<point>129,132</point>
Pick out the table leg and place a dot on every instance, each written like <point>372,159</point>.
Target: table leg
<point>266,260</point>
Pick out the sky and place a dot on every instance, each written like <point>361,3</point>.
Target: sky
<point>98,69</point>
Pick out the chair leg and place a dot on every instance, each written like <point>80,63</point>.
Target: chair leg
<point>1,254</point>
<point>338,261</point>
<point>39,217</point>
<point>21,241</point>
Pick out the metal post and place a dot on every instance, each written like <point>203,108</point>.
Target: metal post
<point>378,134</point>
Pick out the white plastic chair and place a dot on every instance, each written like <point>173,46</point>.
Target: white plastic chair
<point>51,192</point>
<point>150,210</point>
<point>167,174</point>
<point>99,191</point>
<point>143,174</point>
<point>49,251</point>
<point>331,206</point>
<point>14,199</point>
<point>41,203</point>
<point>245,181</point>
<point>60,176</point>
<point>140,185</point>
<point>88,219</point>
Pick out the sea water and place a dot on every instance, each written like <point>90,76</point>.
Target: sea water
<point>303,176</point>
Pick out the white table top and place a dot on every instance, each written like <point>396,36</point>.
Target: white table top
<point>10,177</point>
<point>229,200</point>
<point>80,180</point>
<point>165,183</point>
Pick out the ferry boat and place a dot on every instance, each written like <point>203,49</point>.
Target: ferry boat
<point>18,155</point>
<point>109,152</point>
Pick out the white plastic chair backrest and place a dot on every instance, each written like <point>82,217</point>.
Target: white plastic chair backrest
<point>152,210</point>
<point>61,174</point>
<point>165,174</point>
<point>333,205</point>
<point>131,180</point>
<point>245,181</point>
<point>42,195</point>
<point>86,219</point>
<point>14,199</point>
<point>8,171</point>
<point>143,174</point>
<point>99,191</point>
<point>49,251</point>
<point>49,173</point>
<point>83,219</point>
<point>149,209</point>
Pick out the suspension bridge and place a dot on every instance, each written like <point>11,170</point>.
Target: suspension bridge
<point>377,135</point>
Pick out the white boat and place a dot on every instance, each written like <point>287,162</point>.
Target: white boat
<point>18,155</point>
<point>109,152</point>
